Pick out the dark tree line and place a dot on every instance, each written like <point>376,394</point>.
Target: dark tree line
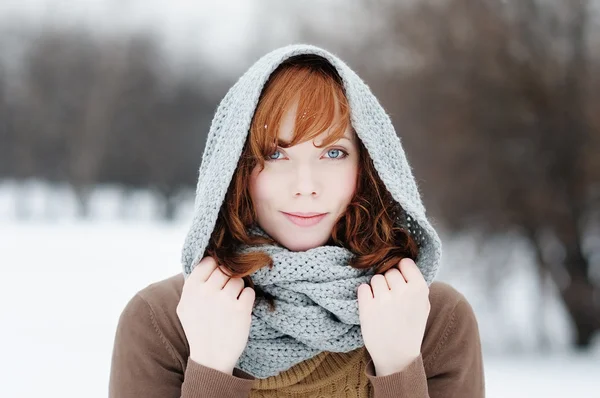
<point>87,110</point>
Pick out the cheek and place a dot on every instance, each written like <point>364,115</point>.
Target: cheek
<point>345,183</point>
<point>260,187</point>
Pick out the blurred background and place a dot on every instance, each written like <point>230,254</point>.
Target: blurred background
<point>104,110</point>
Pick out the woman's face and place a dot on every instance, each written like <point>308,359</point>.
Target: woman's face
<point>304,179</point>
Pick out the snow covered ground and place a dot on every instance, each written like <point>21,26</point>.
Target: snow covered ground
<point>63,284</point>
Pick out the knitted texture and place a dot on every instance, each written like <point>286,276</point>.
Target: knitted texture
<point>316,307</point>
<point>329,374</point>
<point>327,314</point>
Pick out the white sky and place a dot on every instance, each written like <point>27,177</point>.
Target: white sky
<point>229,31</point>
<point>221,28</point>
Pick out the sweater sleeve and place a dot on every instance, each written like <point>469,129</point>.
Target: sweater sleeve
<point>453,369</point>
<point>144,363</point>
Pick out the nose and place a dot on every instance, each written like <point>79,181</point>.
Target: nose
<point>305,182</point>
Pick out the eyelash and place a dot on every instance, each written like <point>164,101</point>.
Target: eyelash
<point>345,154</point>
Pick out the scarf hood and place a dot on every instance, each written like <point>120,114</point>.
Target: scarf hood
<point>230,128</point>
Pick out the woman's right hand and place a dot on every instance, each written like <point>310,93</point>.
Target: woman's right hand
<point>215,312</point>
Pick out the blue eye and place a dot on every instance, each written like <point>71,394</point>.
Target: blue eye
<point>344,153</point>
<point>270,156</point>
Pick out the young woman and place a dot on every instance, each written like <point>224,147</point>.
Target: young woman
<point>309,265</point>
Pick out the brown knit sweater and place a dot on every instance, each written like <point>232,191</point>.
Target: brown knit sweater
<point>150,358</point>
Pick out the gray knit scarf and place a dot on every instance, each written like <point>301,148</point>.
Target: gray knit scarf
<point>315,290</point>
<point>316,307</point>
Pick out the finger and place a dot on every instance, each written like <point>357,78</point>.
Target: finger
<point>364,293</point>
<point>203,269</point>
<point>217,279</point>
<point>379,285</point>
<point>234,286</point>
<point>394,278</point>
<point>247,296</point>
<point>410,271</point>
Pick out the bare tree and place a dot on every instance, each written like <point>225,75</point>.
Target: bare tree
<point>96,110</point>
<point>68,92</point>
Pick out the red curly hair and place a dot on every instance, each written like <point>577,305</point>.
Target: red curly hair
<point>367,228</point>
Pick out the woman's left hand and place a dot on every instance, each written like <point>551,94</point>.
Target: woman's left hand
<point>393,312</point>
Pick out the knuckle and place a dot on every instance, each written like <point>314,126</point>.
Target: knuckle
<point>206,261</point>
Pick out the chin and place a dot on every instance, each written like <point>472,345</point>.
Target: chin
<point>296,244</point>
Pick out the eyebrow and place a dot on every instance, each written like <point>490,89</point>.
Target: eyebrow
<point>345,137</point>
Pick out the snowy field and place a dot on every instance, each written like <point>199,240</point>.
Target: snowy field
<point>64,282</point>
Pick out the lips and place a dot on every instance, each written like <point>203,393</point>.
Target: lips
<point>302,220</point>
<point>304,214</point>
